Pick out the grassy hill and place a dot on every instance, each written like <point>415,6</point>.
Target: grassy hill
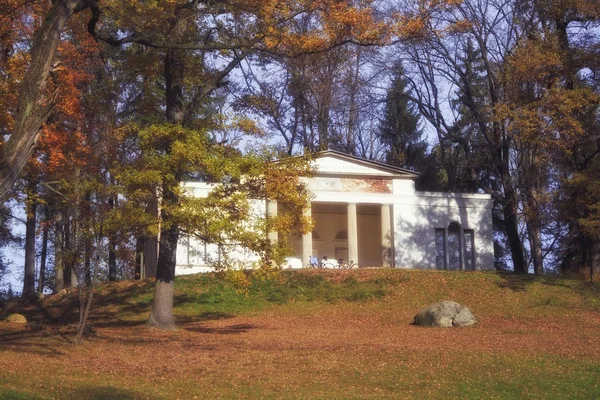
<point>313,334</point>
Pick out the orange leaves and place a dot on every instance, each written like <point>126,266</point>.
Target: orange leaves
<point>411,27</point>
<point>432,18</point>
<point>331,22</point>
<point>64,150</point>
<point>78,60</point>
<point>354,22</point>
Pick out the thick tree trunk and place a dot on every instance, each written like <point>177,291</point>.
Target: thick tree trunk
<point>44,254</point>
<point>162,304</point>
<point>29,279</point>
<point>34,104</point>
<point>151,244</point>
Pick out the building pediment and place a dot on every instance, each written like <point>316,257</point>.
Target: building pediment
<point>331,162</point>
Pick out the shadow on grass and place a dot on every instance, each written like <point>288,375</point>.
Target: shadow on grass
<point>522,282</point>
<point>27,341</point>
<point>213,316</point>
<point>7,394</point>
<point>515,282</point>
<point>225,330</point>
<point>105,393</point>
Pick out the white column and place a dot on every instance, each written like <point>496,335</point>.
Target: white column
<point>352,234</point>
<point>307,244</point>
<point>386,236</point>
<point>271,213</point>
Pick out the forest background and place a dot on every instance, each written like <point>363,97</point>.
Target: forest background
<point>106,107</point>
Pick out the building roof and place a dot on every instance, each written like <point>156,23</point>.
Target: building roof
<point>367,167</point>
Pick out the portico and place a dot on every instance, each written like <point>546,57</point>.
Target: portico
<point>354,232</point>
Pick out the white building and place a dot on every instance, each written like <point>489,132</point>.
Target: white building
<point>369,213</point>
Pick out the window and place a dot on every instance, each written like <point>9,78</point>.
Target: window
<point>469,249</point>
<point>454,248</point>
<point>439,249</point>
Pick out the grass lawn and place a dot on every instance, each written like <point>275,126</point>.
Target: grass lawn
<point>314,334</point>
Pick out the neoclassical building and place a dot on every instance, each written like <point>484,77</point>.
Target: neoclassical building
<point>369,213</point>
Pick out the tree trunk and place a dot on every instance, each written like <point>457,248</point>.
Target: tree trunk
<point>87,262</point>
<point>112,255</point>
<point>534,232</point>
<point>151,244</point>
<point>86,273</point>
<point>112,262</point>
<point>511,224</point>
<point>593,259</point>
<point>29,279</point>
<point>34,104</point>
<point>59,279</point>
<point>353,112</point>
<point>139,258</point>
<point>162,303</point>
<point>85,312</point>
<point>42,280</point>
<point>67,257</point>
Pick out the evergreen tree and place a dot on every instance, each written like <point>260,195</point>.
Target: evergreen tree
<point>470,104</point>
<point>400,129</point>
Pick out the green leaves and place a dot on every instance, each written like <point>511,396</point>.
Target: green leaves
<point>221,191</point>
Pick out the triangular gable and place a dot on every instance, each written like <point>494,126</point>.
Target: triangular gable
<point>332,162</point>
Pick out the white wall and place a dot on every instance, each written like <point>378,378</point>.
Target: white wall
<point>415,223</point>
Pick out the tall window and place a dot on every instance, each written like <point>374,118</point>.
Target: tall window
<point>454,248</point>
<point>469,249</point>
<point>440,252</point>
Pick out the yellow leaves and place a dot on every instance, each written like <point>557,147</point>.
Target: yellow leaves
<point>538,108</point>
<point>332,22</point>
<point>343,20</point>
<point>534,61</point>
<point>239,125</point>
<point>411,27</point>
<point>419,22</point>
<point>553,120</point>
<point>226,214</point>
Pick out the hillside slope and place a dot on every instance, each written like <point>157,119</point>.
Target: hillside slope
<point>314,334</point>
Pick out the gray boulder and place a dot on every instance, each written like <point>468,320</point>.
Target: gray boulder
<point>445,314</point>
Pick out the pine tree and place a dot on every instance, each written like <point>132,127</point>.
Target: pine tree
<point>400,130</point>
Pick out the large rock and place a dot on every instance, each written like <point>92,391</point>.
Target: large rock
<point>445,314</point>
<point>16,319</point>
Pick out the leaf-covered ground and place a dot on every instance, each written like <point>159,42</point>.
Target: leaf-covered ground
<point>314,334</point>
